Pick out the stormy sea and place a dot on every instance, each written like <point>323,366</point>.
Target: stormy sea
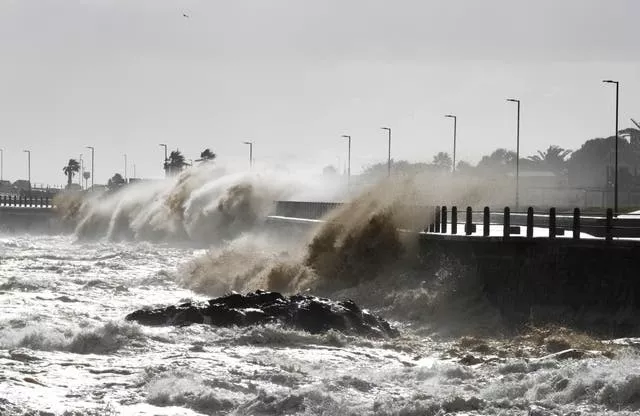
<point>67,346</point>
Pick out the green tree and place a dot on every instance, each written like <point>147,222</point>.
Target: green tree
<point>400,167</point>
<point>593,164</point>
<point>71,169</point>
<point>206,155</point>
<point>464,167</point>
<point>442,161</point>
<point>500,161</point>
<point>329,170</point>
<point>116,182</point>
<point>175,163</point>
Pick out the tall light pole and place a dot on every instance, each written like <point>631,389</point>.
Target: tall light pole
<point>250,153</point>
<point>165,157</point>
<point>28,152</point>
<point>81,170</point>
<point>513,100</point>
<point>346,136</point>
<point>455,128</point>
<point>92,165</point>
<point>125,168</point>
<point>389,152</point>
<point>134,170</point>
<point>1,164</point>
<point>615,180</point>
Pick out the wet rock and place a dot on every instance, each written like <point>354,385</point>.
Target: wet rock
<point>471,360</point>
<point>557,345</point>
<point>458,404</point>
<point>308,313</point>
<point>571,353</point>
<point>539,411</point>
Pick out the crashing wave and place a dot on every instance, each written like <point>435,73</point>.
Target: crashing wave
<point>203,204</point>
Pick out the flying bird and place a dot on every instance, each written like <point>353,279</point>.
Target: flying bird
<point>185,15</point>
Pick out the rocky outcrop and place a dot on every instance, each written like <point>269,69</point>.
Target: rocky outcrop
<point>308,313</point>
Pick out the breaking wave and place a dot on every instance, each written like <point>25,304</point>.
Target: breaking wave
<point>203,204</point>
<point>365,250</point>
<point>104,339</point>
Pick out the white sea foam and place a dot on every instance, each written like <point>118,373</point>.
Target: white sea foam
<point>104,339</point>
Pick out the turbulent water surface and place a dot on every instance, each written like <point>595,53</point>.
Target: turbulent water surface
<point>65,347</point>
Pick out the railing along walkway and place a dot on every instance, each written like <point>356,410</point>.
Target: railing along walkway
<point>25,202</point>
<point>607,227</point>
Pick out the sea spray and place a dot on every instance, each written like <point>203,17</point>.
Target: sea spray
<point>203,204</point>
<point>356,242</point>
<point>365,250</point>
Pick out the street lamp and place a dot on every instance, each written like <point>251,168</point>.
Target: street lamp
<point>615,180</point>
<point>455,128</point>
<point>125,168</point>
<point>165,157</point>
<point>513,100</point>
<point>92,165</point>
<point>28,152</point>
<point>81,171</point>
<point>389,152</point>
<point>250,153</point>
<point>346,136</point>
<point>1,164</point>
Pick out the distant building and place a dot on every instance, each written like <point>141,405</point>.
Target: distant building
<point>541,179</point>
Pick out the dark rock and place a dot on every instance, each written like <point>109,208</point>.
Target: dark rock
<point>308,313</point>
<point>471,360</point>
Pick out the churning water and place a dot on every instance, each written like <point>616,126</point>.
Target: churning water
<point>66,349</point>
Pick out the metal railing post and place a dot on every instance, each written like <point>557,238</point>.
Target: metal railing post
<point>506,223</point>
<point>454,220</point>
<point>530,222</point>
<point>444,219</point>
<point>469,221</point>
<point>486,222</point>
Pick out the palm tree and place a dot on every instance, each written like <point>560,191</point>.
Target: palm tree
<point>175,163</point>
<point>72,167</point>
<point>206,155</point>
<point>554,158</point>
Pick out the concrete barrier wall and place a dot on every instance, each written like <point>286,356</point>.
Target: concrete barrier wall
<point>29,219</point>
<point>590,284</point>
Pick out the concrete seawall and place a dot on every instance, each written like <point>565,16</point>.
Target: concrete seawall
<point>590,284</point>
<point>29,219</point>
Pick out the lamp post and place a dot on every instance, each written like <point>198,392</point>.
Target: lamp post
<point>615,180</point>
<point>81,170</point>
<point>125,168</point>
<point>165,158</point>
<point>250,153</point>
<point>92,165</point>
<point>346,136</point>
<point>455,132</point>
<point>389,151</point>
<point>28,152</point>
<point>1,164</point>
<point>513,100</point>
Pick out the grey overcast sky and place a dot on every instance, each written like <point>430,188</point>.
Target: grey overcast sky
<point>293,75</point>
